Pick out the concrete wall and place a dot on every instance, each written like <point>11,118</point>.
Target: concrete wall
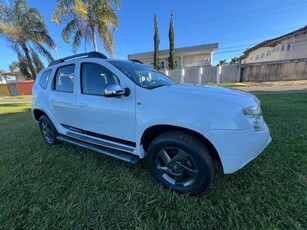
<point>25,88</point>
<point>175,75</point>
<point>19,88</point>
<point>275,71</point>
<point>191,75</point>
<point>209,74</point>
<point>230,73</point>
<point>4,90</point>
<point>206,74</point>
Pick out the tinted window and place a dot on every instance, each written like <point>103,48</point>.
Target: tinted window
<point>64,80</point>
<point>95,78</point>
<point>142,75</point>
<point>43,81</point>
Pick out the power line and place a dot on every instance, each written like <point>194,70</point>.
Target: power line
<point>227,18</point>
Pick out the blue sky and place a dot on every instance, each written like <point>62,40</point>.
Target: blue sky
<point>236,25</point>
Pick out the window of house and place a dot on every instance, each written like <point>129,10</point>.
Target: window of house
<point>268,53</point>
<point>161,65</point>
<point>95,77</point>
<point>43,81</point>
<point>278,49</point>
<point>64,80</point>
<point>262,55</point>
<point>251,58</point>
<point>289,46</point>
<point>257,57</point>
<point>282,48</point>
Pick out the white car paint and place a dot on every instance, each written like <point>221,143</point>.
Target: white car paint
<point>214,112</point>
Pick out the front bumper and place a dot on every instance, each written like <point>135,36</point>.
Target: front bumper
<point>236,148</point>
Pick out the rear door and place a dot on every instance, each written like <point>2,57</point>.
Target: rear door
<point>63,98</point>
<point>108,118</point>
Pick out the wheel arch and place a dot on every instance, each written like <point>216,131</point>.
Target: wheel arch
<point>152,132</point>
<point>37,113</point>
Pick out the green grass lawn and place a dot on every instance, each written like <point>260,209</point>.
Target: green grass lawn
<point>67,187</point>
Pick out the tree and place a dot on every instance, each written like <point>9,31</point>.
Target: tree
<point>222,62</point>
<point>235,60</point>
<point>171,36</point>
<point>24,29</point>
<point>156,44</point>
<point>85,19</point>
<point>2,77</point>
<point>22,69</point>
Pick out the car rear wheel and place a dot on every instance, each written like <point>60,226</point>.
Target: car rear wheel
<point>180,162</point>
<point>48,130</point>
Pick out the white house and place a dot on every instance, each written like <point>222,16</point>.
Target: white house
<point>186,57</point>
<point>289,46</point>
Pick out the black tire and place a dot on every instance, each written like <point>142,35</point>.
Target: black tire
<point>48,130</point>
<point>180,162</point>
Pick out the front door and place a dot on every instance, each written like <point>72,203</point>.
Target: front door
<point>109,118</point>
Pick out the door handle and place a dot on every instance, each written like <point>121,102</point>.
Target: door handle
<point>83,105</point>
<point>53,101</point>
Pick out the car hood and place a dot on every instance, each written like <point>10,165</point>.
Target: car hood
<point>236,96</point>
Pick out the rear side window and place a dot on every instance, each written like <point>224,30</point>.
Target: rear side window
<point>43,81</point>
<point>95,78</point>
<point>64,80</point>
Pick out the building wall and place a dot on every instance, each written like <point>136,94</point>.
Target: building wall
<point>4,90</point>
<point>275,71</point>
<point>294,47</point>
<point>25,88</point>
<point>183,61</point>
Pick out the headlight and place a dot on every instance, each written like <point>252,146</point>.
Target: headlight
<point>254,116</point>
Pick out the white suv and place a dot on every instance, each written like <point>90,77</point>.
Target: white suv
<point>127,110</point>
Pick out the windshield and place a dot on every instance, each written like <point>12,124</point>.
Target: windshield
<point>142,75</point>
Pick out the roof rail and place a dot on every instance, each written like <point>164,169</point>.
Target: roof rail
<point>83,55</point>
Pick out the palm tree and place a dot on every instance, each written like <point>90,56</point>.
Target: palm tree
<point>85,19</point>
<point>2,77</point>
<point>235,60</point>
<point>25,31</point>
<point>222,62</point>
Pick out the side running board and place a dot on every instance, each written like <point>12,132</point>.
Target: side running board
<point>120,155</point>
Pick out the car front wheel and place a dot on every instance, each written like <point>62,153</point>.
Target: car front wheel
<point>180,162</point>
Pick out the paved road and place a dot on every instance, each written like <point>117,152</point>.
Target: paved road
<point>296,88</point>
<point>15,100</point>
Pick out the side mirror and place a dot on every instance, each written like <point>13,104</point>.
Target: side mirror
<point>115,90</point>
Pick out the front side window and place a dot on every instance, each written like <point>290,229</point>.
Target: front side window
<point>142,75</point>
<point>64,80</point>
<point>43,81</point>
<point>94,78</point>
